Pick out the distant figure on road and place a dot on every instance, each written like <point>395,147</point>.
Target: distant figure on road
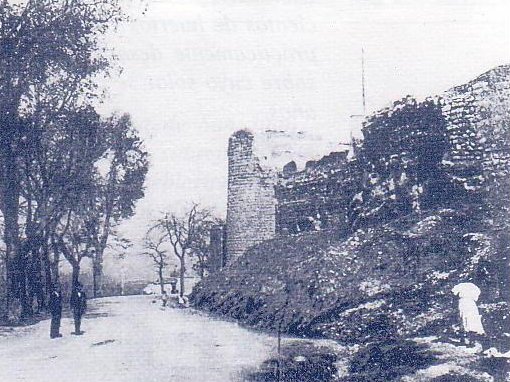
<point>56,311</point>
<point>164,298</point>
<point>183,301</point>
<point>78,306</point>
<point>470,317</point>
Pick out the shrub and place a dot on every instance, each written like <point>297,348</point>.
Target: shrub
<point>300,362</point>
<point>389,360</point>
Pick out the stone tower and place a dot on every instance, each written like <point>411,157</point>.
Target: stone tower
<point>251,199</point>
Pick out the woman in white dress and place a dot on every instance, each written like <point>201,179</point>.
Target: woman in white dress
<point>470,317</point>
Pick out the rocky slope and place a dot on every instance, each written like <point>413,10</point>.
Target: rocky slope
<point>394,279</point>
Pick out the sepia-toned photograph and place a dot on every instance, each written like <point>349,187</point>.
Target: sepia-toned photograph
<point>254,190</point>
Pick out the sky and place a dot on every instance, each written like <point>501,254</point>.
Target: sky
<point>195,71</point>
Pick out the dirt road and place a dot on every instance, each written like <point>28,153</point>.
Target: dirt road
<point>132,339</point>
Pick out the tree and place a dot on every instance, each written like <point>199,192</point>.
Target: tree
<point>57,173</point>
<point>154,249</point>
<point>201,251</point>
<point>183,233</point>
<point>125,165</point>
<point>73,243</point>
<point>201,247</point>
<point>49,58</point>
<point>100,163</point>
<point>77,152</point>
<point>107,168</point>
<point>121,247</point>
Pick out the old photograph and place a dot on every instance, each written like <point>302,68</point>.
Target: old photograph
<point>254,190</point>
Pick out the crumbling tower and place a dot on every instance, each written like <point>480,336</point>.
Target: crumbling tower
<point>251,199</point>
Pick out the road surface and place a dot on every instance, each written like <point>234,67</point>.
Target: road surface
<point>132,339</point>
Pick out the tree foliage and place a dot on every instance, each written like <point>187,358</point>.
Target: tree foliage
<point>54,196</point>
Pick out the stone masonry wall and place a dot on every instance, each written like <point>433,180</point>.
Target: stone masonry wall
<point>217,248</point>
<point>400,159</point>
<point>251,199</point>
<point>441,152</point>
<point>478,124</point>
<point>317,197</point>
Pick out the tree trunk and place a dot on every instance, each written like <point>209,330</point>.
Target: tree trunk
<point>161,281</point>
<point>19,280</point>
<point>74,262</point>
<point>9,204</point>
<point>75,275</point>
<point>182,272</point>
<point>97,259</point>
<point>35,277</point>
<point>16,288</point>
<point>10,128</point>
<point>46,264</point>
<point>54,266</point>
<point>97,274</point>
<point>16,260</point>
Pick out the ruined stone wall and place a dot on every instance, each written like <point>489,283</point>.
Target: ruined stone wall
<point>478,124</point>
<point>397,170</point>
<point>217,259</point>
<point>400,158</point>
<point>439,152</point>
<point>422,174</point>
<point>317,197</point>
<point>251,199</point>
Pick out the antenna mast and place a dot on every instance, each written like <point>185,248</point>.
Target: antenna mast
<point>354,117</point>
<point>363,79</point>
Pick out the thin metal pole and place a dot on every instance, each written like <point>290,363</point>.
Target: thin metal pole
<point>363,79</point>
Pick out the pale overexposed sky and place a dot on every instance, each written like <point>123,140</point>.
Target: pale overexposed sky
<point>194,71</point>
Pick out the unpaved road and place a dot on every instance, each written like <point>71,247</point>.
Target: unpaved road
<point>132,339</point>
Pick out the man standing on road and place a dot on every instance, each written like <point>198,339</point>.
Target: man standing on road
<point>78,306</point>
<point>56,312</point>
<point>164,298</point>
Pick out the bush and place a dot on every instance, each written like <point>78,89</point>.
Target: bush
<point>388,361</point>
<point>300,362</point>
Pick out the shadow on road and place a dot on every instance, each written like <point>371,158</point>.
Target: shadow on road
<point>99,308</point>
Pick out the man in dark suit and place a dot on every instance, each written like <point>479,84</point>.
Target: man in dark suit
<point>56,311</point>
<point>78,306</point>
